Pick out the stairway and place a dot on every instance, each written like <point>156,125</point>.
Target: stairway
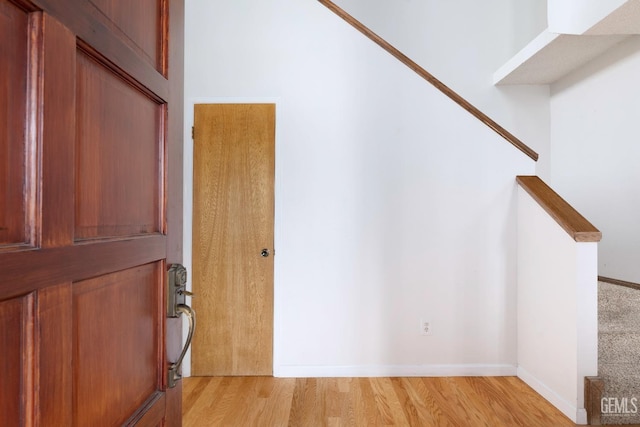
<point>619,353</point>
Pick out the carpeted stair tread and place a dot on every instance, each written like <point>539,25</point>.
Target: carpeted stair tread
<point>623,378</point>
<point>619,348</point>
<point>618,308</point>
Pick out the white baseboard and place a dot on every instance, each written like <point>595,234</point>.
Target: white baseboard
<point>577,415</point>
<point>288,371</point>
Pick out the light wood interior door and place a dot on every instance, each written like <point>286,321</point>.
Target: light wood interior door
<point>233,219</point>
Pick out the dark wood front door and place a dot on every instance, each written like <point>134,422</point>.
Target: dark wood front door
<point>90,210</point>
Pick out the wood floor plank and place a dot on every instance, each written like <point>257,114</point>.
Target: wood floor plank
<point>308,406</point>
<point>466,410</point>
<point>382,404</point>
<point>198,407</point>
<point>369,402</point>
<point>243,403</point>
<point>219,403</point>
<point>414,408</point>
<point>444,400</point>
<point>277,403</point>
<point>500,402</point>
<point>356,402</point>
<point>434,415</point>
<point>348,389</point>
<point>497,404</point>
<point>388,400</point>
<point>519,395</point>
<point>194,387</point>
<point>372,414</point>
<point>338,402</point>
<point>473,405</point>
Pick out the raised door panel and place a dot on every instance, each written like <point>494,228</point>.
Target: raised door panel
<point>140,24</point>
<point>54,333</point>
<point>14,31</point>
<point>116,344</point>
<point>16,360</point>
<point>119,132</point>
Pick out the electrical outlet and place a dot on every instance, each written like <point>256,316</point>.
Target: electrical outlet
<point>425,327</point>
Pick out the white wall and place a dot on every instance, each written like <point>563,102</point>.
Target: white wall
<point>392,203</point>
<point>463,43</point>
<point>595,153</point>
<point>557,309</point>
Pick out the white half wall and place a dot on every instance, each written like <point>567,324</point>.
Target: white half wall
<point>595,153</point>
<point>557,309</point>
<point>393,204</point>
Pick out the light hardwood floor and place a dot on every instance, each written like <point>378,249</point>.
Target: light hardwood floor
<point>446,401</point>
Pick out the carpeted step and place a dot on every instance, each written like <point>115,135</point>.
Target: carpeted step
<point>619,353</point>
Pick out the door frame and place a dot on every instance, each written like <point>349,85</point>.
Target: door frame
<point>187,255</point>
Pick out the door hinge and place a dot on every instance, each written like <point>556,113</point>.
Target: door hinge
<point>193,132</point>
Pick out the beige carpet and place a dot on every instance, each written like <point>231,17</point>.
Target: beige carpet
<point>619,352</point>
